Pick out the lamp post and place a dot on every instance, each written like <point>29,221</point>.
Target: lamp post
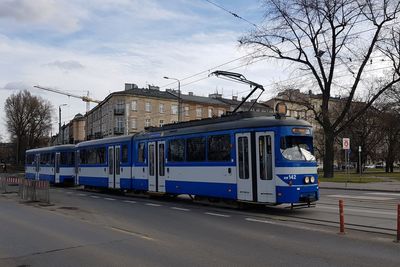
<point>60,138</point>
<point>179,97</point>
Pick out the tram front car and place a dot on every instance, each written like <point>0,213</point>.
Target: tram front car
<point>296,166</point>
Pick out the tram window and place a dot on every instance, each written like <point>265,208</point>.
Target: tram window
<point>30,159</point>
<point>67,158</point>
<point>140,156</point>
<point>161,158</point>
<point>265,157</point>
<point>101,155</point>
<point>196,149</point>
<point>243,157</point>
<point>151,159</point>
<point>93,155</point>
<point>176,150</point>
<point>297,148</point>
<point>219,148</point>
<point>46,158</point>
<point>124,157</point>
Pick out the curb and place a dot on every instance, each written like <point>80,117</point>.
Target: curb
<point>361,189</point>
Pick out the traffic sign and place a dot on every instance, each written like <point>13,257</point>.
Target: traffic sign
<point>346,143</point>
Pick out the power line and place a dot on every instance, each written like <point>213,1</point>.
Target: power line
<point>232,13</point>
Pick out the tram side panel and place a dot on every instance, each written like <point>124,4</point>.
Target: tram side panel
<point>139,169</point>
<point>93,166</point>
<point>201,164</point>
<point>30,166</point>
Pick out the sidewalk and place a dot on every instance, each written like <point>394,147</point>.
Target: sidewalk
<point>393,186</point>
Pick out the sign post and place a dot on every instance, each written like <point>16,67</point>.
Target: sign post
<point>346,147</point>
<point>359,160</point>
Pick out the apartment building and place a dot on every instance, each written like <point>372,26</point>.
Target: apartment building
<point>132,110</point>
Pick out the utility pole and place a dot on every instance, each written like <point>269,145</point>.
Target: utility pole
<point>179,97</point>
<point>60,137</point>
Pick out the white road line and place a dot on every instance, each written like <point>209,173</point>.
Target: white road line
<point>384,194</point>
<point>261,221</point>
<point>217,214</point>
<point>357,210</point>
<point>82,195</point>
<point>107,198</point>
<point>182,209</point>
<point>130,201</point>
<point>94,196</point>
<point>153,205</point>
<point>361,197</point>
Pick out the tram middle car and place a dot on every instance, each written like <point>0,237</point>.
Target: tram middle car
<point>251,157</point>
<point>55,164</point>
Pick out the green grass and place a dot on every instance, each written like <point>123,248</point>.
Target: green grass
<point>371,176</point>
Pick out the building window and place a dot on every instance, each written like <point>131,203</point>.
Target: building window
<point>147,123</point>
<point>133,123</point>
<point>174,109</point>
<point>161,123</point>
<point>148,107</point>
<point>220,112</point>
<point>210,112</point>
<point>162,108</point>
<point>134,105</point>
<point>186,111</point>
<point>119,123</point>
<point>198,112</point>
<point>119,106</point>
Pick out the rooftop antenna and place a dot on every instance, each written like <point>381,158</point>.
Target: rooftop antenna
<point>240,78</point>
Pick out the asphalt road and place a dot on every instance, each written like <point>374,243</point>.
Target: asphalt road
<point>93,229</point>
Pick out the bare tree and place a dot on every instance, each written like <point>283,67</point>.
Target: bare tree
<point>28,120</point>
<point>336,44</point>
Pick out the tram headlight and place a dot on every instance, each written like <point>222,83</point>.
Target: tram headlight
<point>312,179</point>
<point>306,180</point>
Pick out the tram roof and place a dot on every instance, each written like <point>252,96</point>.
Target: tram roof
<point>235,121</point>
<point>108,140</point>
<point>51,148</point>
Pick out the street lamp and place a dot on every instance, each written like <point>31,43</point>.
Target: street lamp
<point>60,139</point>
<point>179,97</point>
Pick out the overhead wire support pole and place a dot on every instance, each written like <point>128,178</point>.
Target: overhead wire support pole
<point>240,78</point>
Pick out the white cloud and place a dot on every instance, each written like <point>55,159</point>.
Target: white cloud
<point>44,14</point>
<point>66,65</point>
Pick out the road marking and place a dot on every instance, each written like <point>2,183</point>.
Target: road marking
<point>107,198</point>
<point>129,201</point>
<point>153,205</point>
<point>357,210</point>
<point>217,214</point>
<point>143,236</point>
<point>82,195</point>
<point>261,221</point>
<point>384,194</point>
<point>94,196</point>
<point>361,197</point>
<point>182,209</point>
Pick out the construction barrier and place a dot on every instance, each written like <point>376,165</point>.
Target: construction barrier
<point>341,216</point>
<point>10,184</point>
<point>32,190</point>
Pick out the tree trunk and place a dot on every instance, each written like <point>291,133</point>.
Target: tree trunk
<point>329,154</point>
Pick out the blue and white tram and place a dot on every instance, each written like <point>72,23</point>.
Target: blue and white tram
<point>105,163</point>
<point>55,164</point>
<point>247,157</point>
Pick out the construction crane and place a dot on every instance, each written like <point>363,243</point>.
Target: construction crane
<point>86,98</point>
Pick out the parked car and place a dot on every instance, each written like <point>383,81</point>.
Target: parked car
<point>380,165</point>
<point>371,166</point>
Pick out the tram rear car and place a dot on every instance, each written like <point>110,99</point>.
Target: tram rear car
<point>54,164</point>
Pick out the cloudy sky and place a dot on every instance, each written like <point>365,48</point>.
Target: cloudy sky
<point>98,45</point>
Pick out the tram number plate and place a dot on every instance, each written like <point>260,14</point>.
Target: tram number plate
<point>290,177</point>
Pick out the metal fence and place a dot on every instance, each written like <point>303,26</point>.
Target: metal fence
<point>29,190</point>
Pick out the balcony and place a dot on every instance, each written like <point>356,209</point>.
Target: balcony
<point>119,111</point>
<point>119,131</point>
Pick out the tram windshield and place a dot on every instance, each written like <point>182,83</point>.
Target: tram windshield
<point>297,148</point>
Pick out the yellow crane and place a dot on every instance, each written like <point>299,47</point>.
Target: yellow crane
<point>86,98</point>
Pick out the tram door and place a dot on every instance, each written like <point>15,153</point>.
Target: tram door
<point>244,167</point>
<point>265,166</point>
<point>57,168</point>
<point>114,166</point>
<point>37,167</point>
<point>156,161</point>
<point>77,162</point>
